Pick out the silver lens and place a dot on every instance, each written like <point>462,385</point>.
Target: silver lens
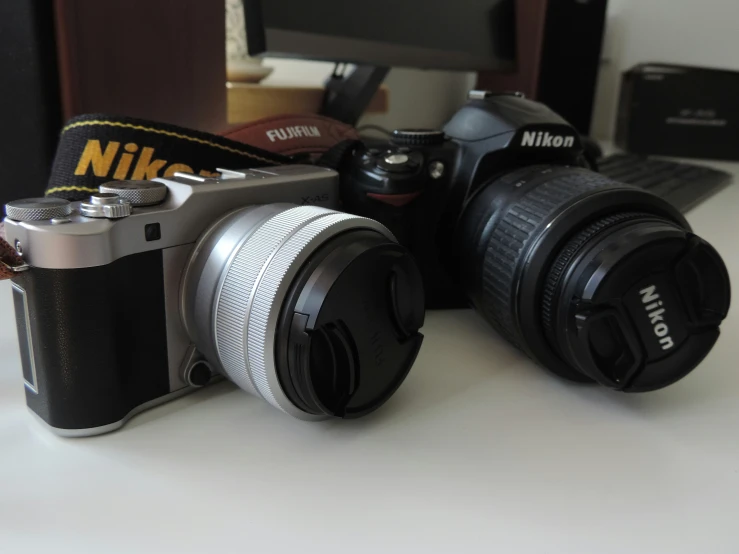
<point>236,282</point>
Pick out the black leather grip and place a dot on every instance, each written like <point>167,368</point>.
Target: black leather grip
<point>97,337</point>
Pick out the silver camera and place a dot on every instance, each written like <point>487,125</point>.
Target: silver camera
<point>151,289</point>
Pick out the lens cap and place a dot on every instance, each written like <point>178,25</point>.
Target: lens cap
<point>640,304</point>
<point>348,332</point>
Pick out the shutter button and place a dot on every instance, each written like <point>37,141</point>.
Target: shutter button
<point>397,159</point>
<point>106,205</point>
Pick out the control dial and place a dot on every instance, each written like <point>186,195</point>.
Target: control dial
<point>38,209</point>
<point>417,137</point>
<point>138,193</point>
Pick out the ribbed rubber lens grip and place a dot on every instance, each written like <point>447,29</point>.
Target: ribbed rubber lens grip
<point>507,242</point>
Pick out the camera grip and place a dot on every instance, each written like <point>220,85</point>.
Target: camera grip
<point>93,340</point>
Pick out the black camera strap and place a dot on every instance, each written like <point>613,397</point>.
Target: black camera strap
<point>94,149</point>
<point>335,157</point>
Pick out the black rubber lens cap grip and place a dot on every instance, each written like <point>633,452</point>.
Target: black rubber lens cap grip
<point>643,306</point>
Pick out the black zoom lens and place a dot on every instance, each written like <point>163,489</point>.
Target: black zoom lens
<point>593,279</point>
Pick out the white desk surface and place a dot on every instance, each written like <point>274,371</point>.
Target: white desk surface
<point>479,451</point>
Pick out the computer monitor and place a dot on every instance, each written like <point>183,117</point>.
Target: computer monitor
<point>465,35</point>
<point>548,49</point>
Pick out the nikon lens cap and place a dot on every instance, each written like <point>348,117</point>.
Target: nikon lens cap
<point>640,301</point>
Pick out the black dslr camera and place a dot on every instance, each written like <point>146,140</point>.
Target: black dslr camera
<point>594,279</point>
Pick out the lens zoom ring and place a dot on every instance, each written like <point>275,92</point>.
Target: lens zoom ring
<point>510,237</point>
<point>238,288</point>
<point>260,344</point>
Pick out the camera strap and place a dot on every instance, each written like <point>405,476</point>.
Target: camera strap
<point>94,149</point>
<point>10,262</point>
<point>339,154</point>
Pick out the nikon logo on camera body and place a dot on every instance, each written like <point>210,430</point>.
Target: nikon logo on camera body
<point>133,163</point>
<point>545,139</point>
<point>655,312</point>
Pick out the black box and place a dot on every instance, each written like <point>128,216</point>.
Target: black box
<point>686,112</point>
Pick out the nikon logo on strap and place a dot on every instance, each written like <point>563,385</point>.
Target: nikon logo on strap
<point>134,162</point>
<point>95,149</point>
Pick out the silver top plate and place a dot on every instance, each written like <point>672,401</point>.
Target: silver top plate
<point>190,207</point>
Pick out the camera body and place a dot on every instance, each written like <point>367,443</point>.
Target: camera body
<point>152,289</point>
<point>98,316</point>
<point>593,279</point>
<point>419,184</point>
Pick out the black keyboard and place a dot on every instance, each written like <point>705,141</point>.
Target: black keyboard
<point>683,185</point>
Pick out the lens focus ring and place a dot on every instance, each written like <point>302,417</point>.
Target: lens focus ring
<point>506,244</point>
<point>563,260</point>
<point>291,232</point>
<point>238,290</point>
<point>260,340</point>
<point>594,279</point>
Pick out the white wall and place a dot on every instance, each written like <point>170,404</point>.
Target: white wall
<point>690,32</point>
<point>417,98</point>
<point>423,99</point>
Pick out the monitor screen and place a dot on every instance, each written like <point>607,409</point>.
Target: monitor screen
<point>433,34</point>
